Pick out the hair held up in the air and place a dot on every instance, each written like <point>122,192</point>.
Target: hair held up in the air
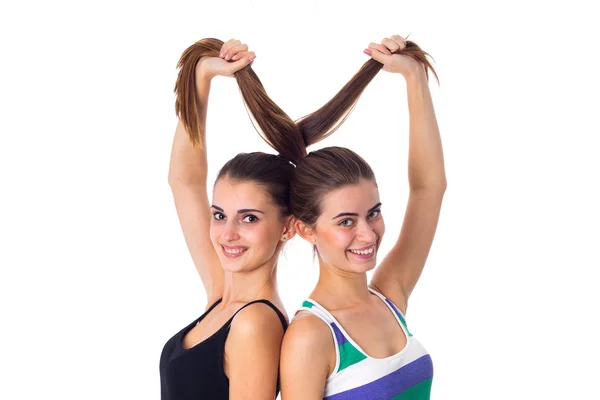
<point>315,173</point>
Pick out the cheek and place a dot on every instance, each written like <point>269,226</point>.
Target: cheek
<point>338,239</point>
<point>261,235</point>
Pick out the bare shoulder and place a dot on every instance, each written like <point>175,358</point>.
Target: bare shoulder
<point>307,358</point>
<point>252,352</point>
<point>258,321</point>
<point>308,335</point>
<point>310,330</point>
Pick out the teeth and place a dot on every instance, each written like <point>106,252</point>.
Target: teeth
<point>234,251</point>
<point>363,252</point>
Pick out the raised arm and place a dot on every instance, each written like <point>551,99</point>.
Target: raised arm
<point>188,170</point>
<point>399,272</point>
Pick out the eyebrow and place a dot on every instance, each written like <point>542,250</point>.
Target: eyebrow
<point>242,211</point>
<point>347,214</point>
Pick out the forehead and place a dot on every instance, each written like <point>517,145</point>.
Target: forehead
<point>357,198</point>
<point>229,194</point>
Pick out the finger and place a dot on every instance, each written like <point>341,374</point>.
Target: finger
<point>390,44</point>
<point>400,41</point>
<point>235,49</point>
<point>241,63</point>
<point>377,55</point>
<point>227,45</point>
<point>379,48</point>
<point>239,55</point>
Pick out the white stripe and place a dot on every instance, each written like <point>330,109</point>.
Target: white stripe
<point>372,369</point>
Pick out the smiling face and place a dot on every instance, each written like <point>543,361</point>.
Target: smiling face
<point>246,228</point>
<point>350,227</point>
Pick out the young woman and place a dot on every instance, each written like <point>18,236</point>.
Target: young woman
<point>232,350</point>
<point>351,341</point>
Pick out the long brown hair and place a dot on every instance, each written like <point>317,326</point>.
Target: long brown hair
<point>316,173</point>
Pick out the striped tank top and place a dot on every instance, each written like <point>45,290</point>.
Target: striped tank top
<point>406,375</point>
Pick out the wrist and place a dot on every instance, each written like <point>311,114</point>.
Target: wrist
<point>202,77</point>
<point>416,73</point>
<point>201,74</point>
<point>202,84</point>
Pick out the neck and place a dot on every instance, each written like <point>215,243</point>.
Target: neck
<point>253,285</point>
<point>339,288</point>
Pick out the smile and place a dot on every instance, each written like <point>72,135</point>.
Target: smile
<point>365,252</point>
<point>233,252</point>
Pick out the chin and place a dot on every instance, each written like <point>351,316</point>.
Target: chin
<point>361,264</point>
<point>233,266</point>
<point>363,267</point>
<point>240,265</point>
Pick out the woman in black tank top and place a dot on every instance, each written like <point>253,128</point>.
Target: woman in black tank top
<point>232,350</point>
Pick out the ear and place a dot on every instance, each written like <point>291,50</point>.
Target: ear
<point>289,230</point>
<point>305,231</point>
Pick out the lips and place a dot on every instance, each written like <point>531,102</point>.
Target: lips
<point>364,253</point>
<point>233,251</point>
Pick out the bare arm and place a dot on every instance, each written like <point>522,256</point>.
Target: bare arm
<point>306,360</point>
<point>399,272</point>
<point>187,178</point>
<point>189,167</point>
<point>254,343</point>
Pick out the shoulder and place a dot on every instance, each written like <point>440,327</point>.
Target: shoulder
<point>308,327</point>
<point>257,321</point>
<point>251,356</point>
<point>307,355</point>
<point>307,335</point>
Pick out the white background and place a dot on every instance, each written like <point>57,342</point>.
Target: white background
<point>95,275</point>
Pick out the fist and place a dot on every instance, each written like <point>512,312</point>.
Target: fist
<point>234,55</point>
<point>384,53</point>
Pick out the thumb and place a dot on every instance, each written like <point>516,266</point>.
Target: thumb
<point>377,55</point>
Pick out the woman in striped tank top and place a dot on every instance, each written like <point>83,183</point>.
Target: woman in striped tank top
<point>350,340</point>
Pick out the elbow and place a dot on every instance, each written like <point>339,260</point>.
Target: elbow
<point>178,180</point>
<point>442,185</point>
<point>436,187</point>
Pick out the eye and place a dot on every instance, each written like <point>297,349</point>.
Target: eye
<point>250,218</point>
<point>346,222</point>
<point>374,214</point>
<point>218,216</point>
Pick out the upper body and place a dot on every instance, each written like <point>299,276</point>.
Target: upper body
<point>350,340</point>
<point>232,350</point>
<point>382,362</point>
<point>196,364</point>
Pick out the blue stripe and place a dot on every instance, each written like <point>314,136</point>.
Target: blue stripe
<point>341,339</point>
<point>399,314</point>
<point>392,384</point>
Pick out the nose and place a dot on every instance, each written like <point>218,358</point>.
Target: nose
<point>365,233</point>
<point>230,233</point>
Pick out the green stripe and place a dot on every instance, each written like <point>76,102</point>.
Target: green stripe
<point>420,391</point>
<point>307,304</point>
<point>404,323</point>
<point>349,355</point>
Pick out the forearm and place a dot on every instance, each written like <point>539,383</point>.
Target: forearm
<point>425,159</point>
<point>188,163</point>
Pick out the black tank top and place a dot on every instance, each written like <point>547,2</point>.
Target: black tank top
<point>197,373</point>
